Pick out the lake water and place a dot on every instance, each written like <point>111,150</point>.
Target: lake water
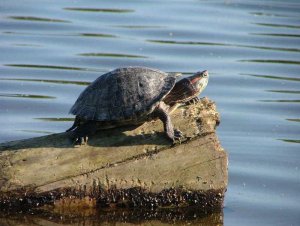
<point>50,50</point>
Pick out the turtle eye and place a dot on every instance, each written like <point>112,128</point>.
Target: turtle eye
<point>205,73</point>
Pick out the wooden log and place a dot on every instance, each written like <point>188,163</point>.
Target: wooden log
<point>128,167</point>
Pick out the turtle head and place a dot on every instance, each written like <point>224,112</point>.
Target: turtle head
<point>187,88</point>
<point>199,81</point>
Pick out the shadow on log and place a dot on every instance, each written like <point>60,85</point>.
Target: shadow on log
<point>122,167</point>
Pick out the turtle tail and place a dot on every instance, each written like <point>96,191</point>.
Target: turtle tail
<point>75,124</point>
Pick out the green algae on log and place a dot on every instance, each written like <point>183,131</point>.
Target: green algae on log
<point>121,167</point>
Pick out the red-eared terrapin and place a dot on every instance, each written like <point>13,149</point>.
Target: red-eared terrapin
<point>132,96</point>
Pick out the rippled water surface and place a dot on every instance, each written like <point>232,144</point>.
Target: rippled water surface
<point>50,50</point>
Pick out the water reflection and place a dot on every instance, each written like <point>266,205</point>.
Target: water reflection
<point>38,19</point>
<point>80,83</point>
<point>102,10</point>
<point>97,35</point>
<point>271,61</point>
<point>27,45</point>
<point>290,141</point>
<point>187,43</point>
<point>56,119</point>
<point>224,44</point>
<point>268,14</point>
<point>284,91</point>
<point>91,217</point>
<point>278,35</point>
<point>273,77</point>
<point>114,55</point>
<point>32,96</point>
<point>293,119</point>
<point>139,26</point>
<point>34,131</point>
<point>278,25</point>
<point>84,35</point>
<point>36,66</point>
<point>281,101</point>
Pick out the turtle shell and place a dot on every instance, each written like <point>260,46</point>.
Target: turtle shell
<point>122,94</point>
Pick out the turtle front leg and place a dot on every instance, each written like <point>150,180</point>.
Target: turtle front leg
<point>162,113</point>
<point>82,132</point>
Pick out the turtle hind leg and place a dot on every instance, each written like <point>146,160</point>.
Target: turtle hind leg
<point>81,133</point>
<point>162,113</point>
<point>75,124</point>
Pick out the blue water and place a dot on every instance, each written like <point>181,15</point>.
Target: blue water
<point>50,50</point>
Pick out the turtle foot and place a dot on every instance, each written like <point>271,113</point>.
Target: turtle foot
<point>77,139</point>
<point>81,133</point>
<point>177,135</point>
<point>81,140</point>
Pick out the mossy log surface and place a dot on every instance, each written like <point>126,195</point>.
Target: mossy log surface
<point>126,167</point>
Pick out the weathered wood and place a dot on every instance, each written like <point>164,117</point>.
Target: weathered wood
<point>122,166</point>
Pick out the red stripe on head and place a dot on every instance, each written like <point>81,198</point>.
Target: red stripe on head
<point>194,80</point>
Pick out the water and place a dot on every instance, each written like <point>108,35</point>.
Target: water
<point>50,50</point>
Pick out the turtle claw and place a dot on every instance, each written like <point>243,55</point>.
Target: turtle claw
<point>81,140</point>
<point>177,135</point>
<point>81,134</point>
<point>195,100</point>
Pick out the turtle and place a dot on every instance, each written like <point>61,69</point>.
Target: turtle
<point>130,96</point>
